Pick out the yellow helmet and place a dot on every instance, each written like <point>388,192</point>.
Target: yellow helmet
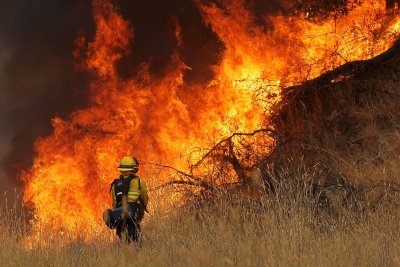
<point>129,164</point>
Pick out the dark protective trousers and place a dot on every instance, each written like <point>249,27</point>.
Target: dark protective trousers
<point>131,223</point>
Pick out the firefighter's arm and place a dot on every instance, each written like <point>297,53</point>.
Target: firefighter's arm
<point>143,194</point>
<point>114,201</point>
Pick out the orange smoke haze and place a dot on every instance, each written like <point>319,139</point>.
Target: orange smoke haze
<point>162,119</point>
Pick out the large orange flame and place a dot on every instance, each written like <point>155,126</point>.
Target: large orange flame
<point>162,120</point>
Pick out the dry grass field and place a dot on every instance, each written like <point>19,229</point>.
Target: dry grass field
<point>289,228</point>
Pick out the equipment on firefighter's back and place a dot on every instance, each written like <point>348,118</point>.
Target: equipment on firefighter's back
<point>122,187</point>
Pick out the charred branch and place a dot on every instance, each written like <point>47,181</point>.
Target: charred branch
<point>193,180</point>
<point>269,131</point>
<point>176,182</point>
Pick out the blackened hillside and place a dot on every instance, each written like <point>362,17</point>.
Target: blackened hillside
<point>348,118</point>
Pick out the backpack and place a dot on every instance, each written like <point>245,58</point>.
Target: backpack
<point>121,187</point>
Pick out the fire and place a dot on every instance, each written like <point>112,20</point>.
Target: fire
<point>162,120</point>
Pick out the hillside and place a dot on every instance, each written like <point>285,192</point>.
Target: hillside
<point>348,119</point>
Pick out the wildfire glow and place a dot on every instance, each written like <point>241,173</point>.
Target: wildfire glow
<point>161,119</point>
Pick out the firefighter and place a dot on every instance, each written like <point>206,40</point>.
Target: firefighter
<point>130,198</point>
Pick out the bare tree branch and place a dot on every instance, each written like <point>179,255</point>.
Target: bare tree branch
<point>266,130</point>
<point>175,182</point>
<point>199,180</point>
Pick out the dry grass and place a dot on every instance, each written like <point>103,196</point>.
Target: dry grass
<point>289,228</point>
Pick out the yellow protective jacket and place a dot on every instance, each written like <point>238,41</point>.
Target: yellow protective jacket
<point>134,192</point>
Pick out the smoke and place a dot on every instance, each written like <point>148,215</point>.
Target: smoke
<point>155,23</point>
<point>5,135</point>
<point>37,80</point>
